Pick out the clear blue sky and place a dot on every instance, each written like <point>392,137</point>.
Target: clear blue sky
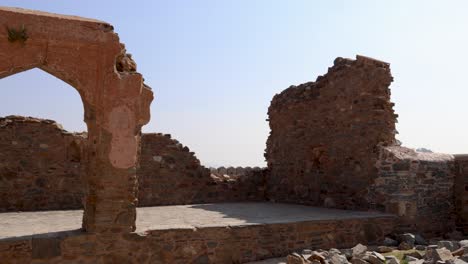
<point>215,65</point>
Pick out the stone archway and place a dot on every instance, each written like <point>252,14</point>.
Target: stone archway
<point>87,54</point>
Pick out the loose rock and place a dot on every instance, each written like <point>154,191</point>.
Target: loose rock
<point>374,258</point>
<point>317,257</point>
<point>410,258</point>
<point>384,249</point>
<point>442,254</point>
<point>450,245</point>
<point>405,246</point>
<point>391,260</point>
<point>407,238</point>
<point>358,250</point>
<point>420,247</point>
<point>390,242</point>
<point>419,240</point>
<point>295,258</point>
<point>463,243</point>
<point>337,259</point>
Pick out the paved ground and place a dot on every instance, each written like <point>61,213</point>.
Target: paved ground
<point>180,216</point>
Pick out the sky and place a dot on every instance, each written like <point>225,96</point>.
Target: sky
<point>214,66</point>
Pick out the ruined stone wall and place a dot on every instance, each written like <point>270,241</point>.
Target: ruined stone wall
<point>461,191</point>
<point>418,187</point>
<point>325,135</point>
<point>170,174</point>
<point>40,165</point>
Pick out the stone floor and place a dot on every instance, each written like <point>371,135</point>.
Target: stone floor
<point>180,216</point>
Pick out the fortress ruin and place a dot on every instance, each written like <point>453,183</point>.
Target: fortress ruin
<point>335,174</point>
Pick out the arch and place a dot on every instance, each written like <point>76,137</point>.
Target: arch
<point>36,93</point>
<point>84,53</point>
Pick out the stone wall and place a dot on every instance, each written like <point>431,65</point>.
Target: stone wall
<point>40,165</point>
<point>461,191</point>
<point>169,173</point>
<point>225,244</point>
<point>418,187</point>
<point>325,135</point>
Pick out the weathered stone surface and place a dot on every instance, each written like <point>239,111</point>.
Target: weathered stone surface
<point>34,177</point>
<point>45,248</point>
<point>323,144</point>
<point>418,187</point>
